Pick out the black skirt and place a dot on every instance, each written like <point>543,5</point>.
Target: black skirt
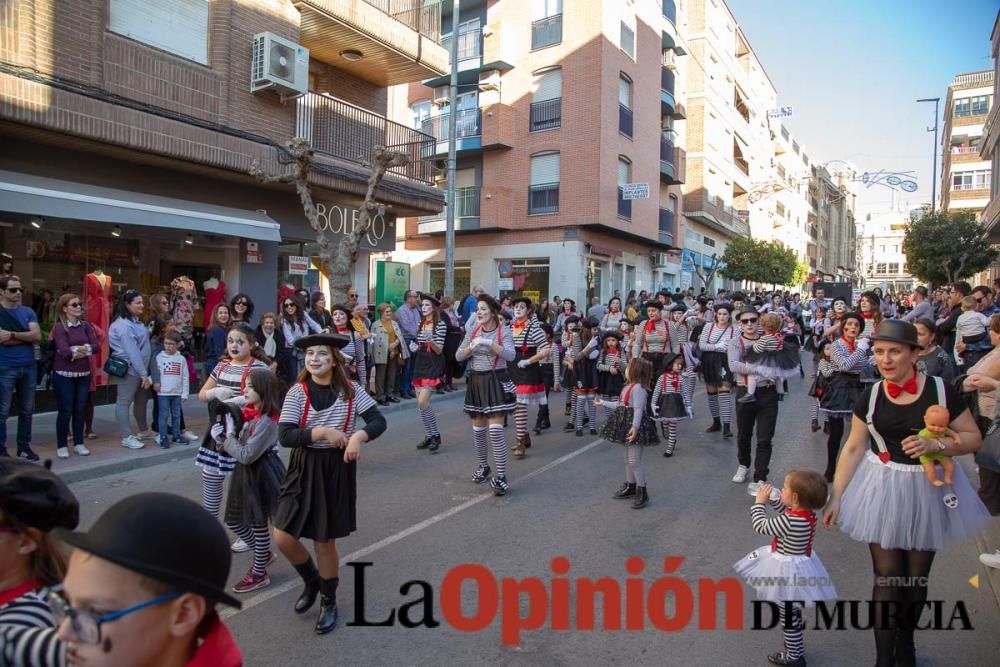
<point>672,408</point>
<point>610,384</point>
<point>428,366</point>
<point>620,423</point>
<point>586,376</point>
<point>659,361</point>
<point>842,393</point>
<point>318,500</point>
<point>819,386</point>
<point>714,368</point>
<point>253,491</point>
<point>489,393</point>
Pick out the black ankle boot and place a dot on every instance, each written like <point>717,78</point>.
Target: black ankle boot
<point>310,576</point>
<point>715,427</point>
<point>434,443</point>
<point>627,491</point>
<point>327,620</point>
<point>542,422</point>
<point>641,498</point>
<point>726,431</point>
<point>814,425</point>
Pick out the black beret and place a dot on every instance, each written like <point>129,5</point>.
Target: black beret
<point>36,496</point>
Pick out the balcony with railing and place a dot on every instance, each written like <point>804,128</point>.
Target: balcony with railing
<point>470,48</point>
<point>347,132</point>
<point>668,159</point>
<point>666,226</point>
<point>667,101</point>
<point>624,205</point>
<point>546,32</point>
<point>545,115</point>
<point>714,212</point>
<point>390,41</point>
<point>466,213</point>
<point>670,11</point>
<point>625,120</point>
<point>468,131</point>
<point>543,198</point>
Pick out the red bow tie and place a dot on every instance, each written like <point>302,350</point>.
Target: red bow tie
<point>910,387</point>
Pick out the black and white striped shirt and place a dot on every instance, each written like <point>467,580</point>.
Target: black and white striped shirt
<point>435,335</point>
<point>483,358</point>
<point>793,531</point>
<point>531,335</point>
<point>233,376</point>
<point>713,337</point>
<point>28,633</point>
<point>335,416</point>
<point>826,368</point>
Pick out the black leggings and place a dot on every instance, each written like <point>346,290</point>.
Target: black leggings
<point>836,434</point>
<point>901,582</point>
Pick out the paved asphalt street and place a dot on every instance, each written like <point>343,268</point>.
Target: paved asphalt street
<point>420,516</point>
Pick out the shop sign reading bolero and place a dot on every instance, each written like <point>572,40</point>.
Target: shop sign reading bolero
<point>340,220</point>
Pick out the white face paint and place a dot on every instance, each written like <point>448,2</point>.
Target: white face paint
<point>238,347</point>
<point>253,398</point>
<point>520,310</point>
<point>339,318</point>
<point>839,307</point>
<point>483,313</point>
<point>426,308</point>
<point>319,360</point>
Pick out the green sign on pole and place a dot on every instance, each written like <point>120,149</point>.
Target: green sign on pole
<point>392,279</point>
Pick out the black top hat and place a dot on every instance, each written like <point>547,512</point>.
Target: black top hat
<point>422,296</point>
<point>333,340</point>
<point>165,537</point>
<point>493,304</point>
<point>36,496</point>
<point>521,299</point>
<point>653,303</point>
<point>897,331</point>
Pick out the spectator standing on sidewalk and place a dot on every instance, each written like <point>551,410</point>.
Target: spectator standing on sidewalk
<point>129,340</point>
<point>408,317</point>
<point>172,387</point>
<point>75,343</point>
<point>19,332</point>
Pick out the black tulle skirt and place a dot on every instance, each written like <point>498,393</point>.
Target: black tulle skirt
<point>714,368</point>
<point>610,385</point>
<point>253,491</point>
<point>318,500</point>
<point>671,408</point>
<point>489,393</point>
<point>620,423</point>
<point>586,376</point>
<point>842,393</point>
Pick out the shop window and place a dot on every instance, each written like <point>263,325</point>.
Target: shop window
<point>463,278</point>
<point>525,277</point>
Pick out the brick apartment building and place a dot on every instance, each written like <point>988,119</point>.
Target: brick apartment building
<point>965,174</point>
<point>558,107</point>
<point>990,147</point>
<point>129,128</point>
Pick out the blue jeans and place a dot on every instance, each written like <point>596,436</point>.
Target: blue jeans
<point>170,406</point>
<point>21,379</point>
<point>71,400</point>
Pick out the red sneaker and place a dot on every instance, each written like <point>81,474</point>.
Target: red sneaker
<point>252,582</point>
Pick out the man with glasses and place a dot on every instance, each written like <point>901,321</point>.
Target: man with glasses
<point>762,413</point>
<point>19,333</point>
<point>408,318</point>
<point>984,301</point>
<point>352,299</point>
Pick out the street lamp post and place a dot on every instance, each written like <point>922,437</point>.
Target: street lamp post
<point>936,101</point>
<point>449,230</point>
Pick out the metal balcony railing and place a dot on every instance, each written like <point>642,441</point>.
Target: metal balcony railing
<point>467,124</point>
<point>546,32</point>
<point>625,120</point>
<point>470,44</point>
<point>666,226</point>
<point>347,132</point>
<point>964,150</point>
<point>624,205</point>
<point>666,150</point>
<point>670,11</point>
<point>466,205</point>
<point>546,115</point>
<point>417,14</point>
<point>543,198</point>
<point>667,80</point>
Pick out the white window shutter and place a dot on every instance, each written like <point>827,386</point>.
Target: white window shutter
<point>548,86</point>
<point>622,172</point>
<point>545,169</point>
<point>625,92</point>
<point>177,26</point>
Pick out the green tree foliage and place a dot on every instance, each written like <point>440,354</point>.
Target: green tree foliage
<point>741,260</point>
<point>946,246</point>
<point>767,262</point>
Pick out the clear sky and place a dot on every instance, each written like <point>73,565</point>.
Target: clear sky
<point>852,70</point>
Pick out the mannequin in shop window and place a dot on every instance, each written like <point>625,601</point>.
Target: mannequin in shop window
<point>215,293</point>
<point>6,264</point>
<point>97,303</point>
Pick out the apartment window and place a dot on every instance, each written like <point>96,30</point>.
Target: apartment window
<point>625,105</point>
<point>980,105</point>
<point>963,107</point>
<point>780,208</point>
<point>463,276</point>
<point>546,23</point>
<point>893,267</point>
<point>546,102</point>
<point>978,179</point>
<point>708,240</point>
<point>624,176</point>
<point>543,195</point>
<point>628,40</point>
<point>469,40</point>
<point>421,111</point>
<point>177,26</point>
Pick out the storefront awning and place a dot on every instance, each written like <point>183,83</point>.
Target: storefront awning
<point>36,195</point>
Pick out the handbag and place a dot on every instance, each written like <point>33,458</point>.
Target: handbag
<point>116,367</point>
<point>988,455</point>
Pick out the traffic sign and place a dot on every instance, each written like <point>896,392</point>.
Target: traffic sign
<point>635,191</point>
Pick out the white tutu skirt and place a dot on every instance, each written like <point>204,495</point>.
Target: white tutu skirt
<point>893,505</point>
<point>779,578</point>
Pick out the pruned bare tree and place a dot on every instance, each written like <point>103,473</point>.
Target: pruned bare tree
<point>339,258</point>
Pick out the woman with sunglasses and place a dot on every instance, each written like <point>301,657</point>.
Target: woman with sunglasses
<point>241,308</point>
<point>295,324</point>
<point>33,501</point>
<point>75,343</point>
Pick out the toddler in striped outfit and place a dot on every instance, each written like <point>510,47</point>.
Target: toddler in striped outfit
<point>787,571</point>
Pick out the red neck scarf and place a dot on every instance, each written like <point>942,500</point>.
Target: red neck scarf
<point>868,316</point>
<point>250,413</point>
<point>342,329</point>
<point>910,386</point>
<point>12,594</point>
<point>651,324</point>
<point>851,344</point>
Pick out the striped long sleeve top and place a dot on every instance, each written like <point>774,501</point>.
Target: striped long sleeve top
<point>28,634</point>
<point>826,368</point>
<point>652,336</point>
<point>792,530</point>
<point>483,357</point>
<point>848,357</point>
<point>429,333</point>
<point>354,352</point>
<point>715,339</point>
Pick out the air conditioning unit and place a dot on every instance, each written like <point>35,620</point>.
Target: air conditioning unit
<point>661,259</point>
<point>279,65</point>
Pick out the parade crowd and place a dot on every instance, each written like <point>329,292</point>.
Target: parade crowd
<point>909,382</point>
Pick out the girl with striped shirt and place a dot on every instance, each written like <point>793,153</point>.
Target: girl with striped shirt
<point>318,500</point>
<point>531,348</point>
<point>354,351</point>
<point>428,368</point>
<point>788,570</point>
<point>489,393</point>
<point>226,382</point>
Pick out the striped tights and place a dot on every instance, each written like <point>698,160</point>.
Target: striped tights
<point>585,408</point>
<point>211,491</point>
<point>499,444</point>
<point>479,438</point>
<point>521,419</point>
<point>259,539</point>
<point>713,405</point>
<point>814,410</point>
<point>726,406</point>
<point>792,631</point>
<point>670,430</point>
<point>429,418</point>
